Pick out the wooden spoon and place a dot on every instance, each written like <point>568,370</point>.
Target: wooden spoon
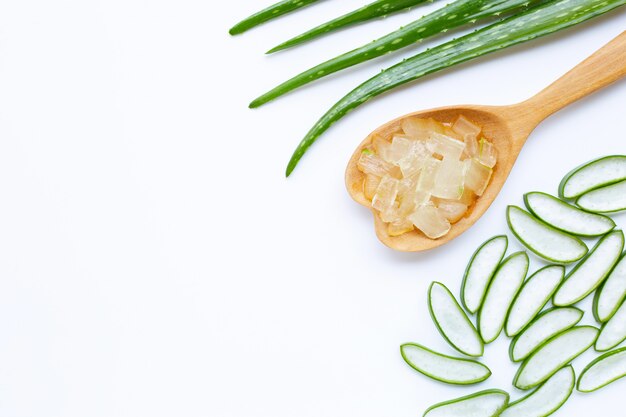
<point>507,127</point>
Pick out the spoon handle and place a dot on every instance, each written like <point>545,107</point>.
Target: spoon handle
<point>606,65</point>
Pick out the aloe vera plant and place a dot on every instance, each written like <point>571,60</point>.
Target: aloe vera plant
<point>378,8</point>
<point>453,15</point>
<point>269,13</point>
<point>538,21</point>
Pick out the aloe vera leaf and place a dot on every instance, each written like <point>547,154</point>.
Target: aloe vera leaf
<point>378,8</point>
<point>275,10</point>
<point>455,14</point>
<point>539,21</point>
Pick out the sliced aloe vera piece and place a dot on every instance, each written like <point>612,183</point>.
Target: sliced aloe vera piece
<point>546,399</point>
<point>488,403</point>
<point>592,175</point>
<point>609,199</point>
<point>590,272</point>
<point>603,370</point>
<point>553,355</point>
<point>535,293</point>
<point>545,241</point>
<point>442,367</point>
<point>452,322</point>
<point>613,332</point>
<point>547,325</point>
<point>503,288</point>
<point>480,270</point>
<point>563,216</point>
<point>609,297</point>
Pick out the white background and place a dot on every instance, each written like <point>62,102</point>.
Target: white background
<point>154,261</point>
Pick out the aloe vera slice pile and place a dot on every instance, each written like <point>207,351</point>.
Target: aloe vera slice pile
<point>537,312</point>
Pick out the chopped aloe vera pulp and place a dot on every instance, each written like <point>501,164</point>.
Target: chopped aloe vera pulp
<point>609,199</point>
<point>613,332</point>
<point>609,297</point>
<point>443,368</point>
<point>452,322</point>
<point>419,178</point>
<point>489,403</point>
<point>591,271</point>
<point>566,217</point>
<point>546,399</point>
<point>500,294</point>
<point>603,370</point>
<point>480,270</point>
<point>430,221</point>
<point>547,325</point>
<point>544,240</point>
<point>535,293</point>
<point>592,175</point>
<point>553,355</point>
<point>449,180</point>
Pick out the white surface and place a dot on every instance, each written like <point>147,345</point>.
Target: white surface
<point>153,259</point>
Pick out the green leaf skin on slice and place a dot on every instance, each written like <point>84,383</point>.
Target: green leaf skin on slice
<point>609,199</point>
<point>591,271</point>
<point>544,240</point>
<point>272,12</point>
<point>610,295</point>
<point>613,332</point>
<point>488,403</point>
<point>480,270</point>
<point>565,217</point>
<point>539,21</point>
<point>504,286</point>
<point>546,399</point>
<point>553,355</point>
<point>593,174</point>
<point>603,371</point>
<point>532,297</point>
<point>544,327</point>
<point>443,368</point>
<point>452,322</point>
<point>376,9</point>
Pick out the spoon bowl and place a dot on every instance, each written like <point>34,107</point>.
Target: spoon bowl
<point>507,127</point>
